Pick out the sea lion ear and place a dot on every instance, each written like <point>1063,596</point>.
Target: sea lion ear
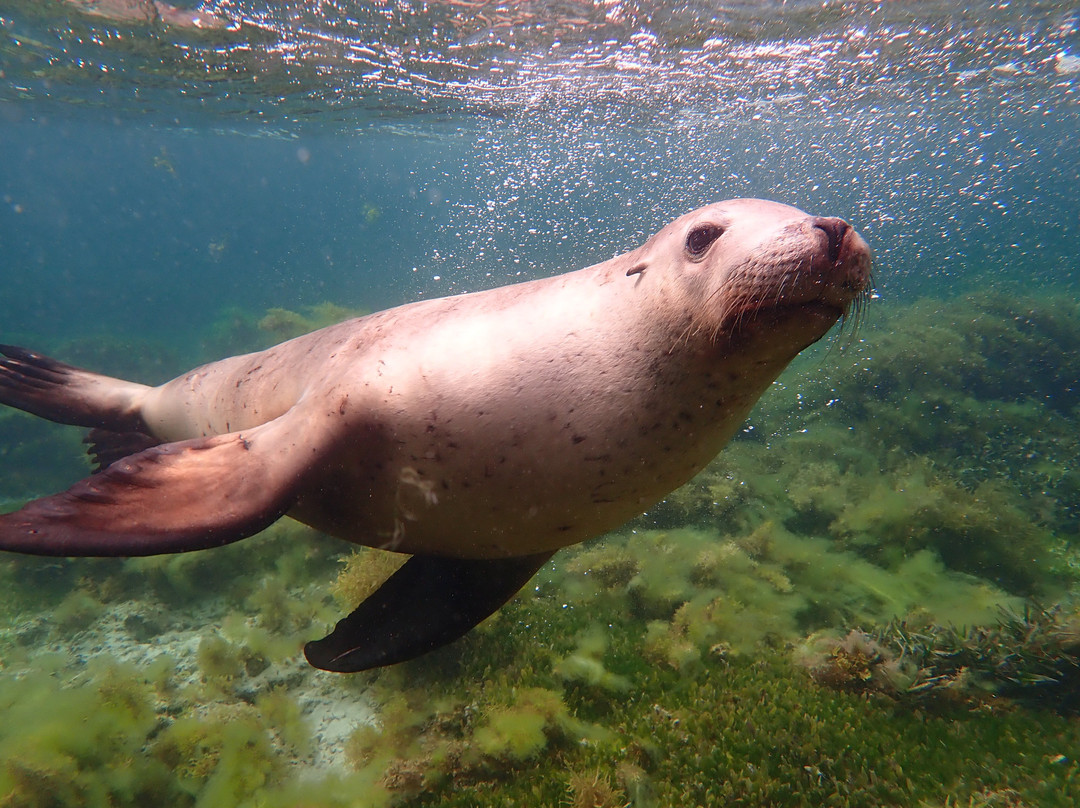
<point>428,603</point>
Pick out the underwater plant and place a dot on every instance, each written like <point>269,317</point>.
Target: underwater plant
<point>593,790</point>
<point>239,331</point>
<point>1031,657</point>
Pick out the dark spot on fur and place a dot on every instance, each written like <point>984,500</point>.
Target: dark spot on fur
<point>578,438</point>
<point>564,528</point>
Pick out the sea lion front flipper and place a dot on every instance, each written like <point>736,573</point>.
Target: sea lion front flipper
<point>428,603</point>
<point>189,495</point>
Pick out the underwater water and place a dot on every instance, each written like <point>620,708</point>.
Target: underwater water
<point>868,599</point>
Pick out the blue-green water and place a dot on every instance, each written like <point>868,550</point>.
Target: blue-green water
<point>158,182</point>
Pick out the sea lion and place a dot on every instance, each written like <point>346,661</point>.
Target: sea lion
<point>479,433</point>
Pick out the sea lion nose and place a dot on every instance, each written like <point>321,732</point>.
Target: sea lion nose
<point>835,230</point>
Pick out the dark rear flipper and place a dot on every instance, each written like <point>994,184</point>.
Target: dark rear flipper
<point>425,605</point>
<point>66,394</point>
<point>106,447</point>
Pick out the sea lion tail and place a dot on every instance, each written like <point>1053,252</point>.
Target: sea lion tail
<point>66,394</point>
<point>182,496</point>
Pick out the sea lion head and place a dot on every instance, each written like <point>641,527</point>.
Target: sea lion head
<point>754,271</point>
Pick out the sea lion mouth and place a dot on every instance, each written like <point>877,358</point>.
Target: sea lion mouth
<point>837,285</point>
<point>805,296</point>
<point>816,315</point>
<point>784,329</point>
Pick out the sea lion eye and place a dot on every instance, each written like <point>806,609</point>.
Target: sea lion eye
<point>701,238</point>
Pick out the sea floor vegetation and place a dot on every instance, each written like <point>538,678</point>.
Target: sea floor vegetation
<point>870,598</point>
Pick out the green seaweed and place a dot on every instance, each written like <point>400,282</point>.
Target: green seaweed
<point>240,331</point>
<point>221,758</point>
<point>76,611</point>
<point>1031,657</point>
<point>80,745</point>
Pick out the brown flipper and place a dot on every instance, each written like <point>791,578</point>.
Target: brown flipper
<point>172,498</point>
<point>66,394</point>
<point>428,603</point>
<point>106,447</point>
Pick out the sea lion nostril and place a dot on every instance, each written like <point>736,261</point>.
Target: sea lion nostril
<point>835,229</point>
